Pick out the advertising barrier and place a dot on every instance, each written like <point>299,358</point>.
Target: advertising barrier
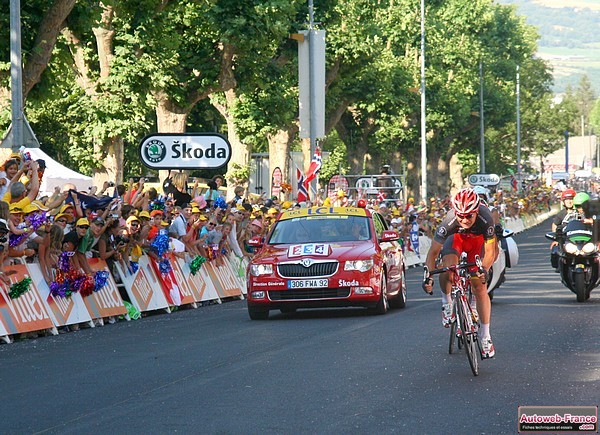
<point>147,286</point>
<point>26,313</point>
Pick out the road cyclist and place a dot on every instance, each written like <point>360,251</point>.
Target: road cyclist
<point>465,326</point>
<point>468,227</point>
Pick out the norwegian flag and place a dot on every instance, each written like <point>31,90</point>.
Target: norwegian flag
<point>381,196</point>
<point>315,166</point>
<point>514,183</point>
<point>302,190</point>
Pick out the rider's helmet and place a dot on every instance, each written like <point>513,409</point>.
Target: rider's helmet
<point>581,199</point>
<point>466,201</point>
<point>483,193</point>
<point>568,194</point>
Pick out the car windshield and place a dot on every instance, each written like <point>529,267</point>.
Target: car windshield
<point>319,229</point>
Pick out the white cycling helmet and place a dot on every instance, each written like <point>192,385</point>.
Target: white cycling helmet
<point>483,193</point>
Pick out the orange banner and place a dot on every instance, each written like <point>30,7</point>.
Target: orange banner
<point>223,278</point>
<point>189,291</point>
<point>27,312</point>
<point>107,301</point>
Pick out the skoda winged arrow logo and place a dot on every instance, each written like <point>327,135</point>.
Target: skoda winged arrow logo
<point>307,262</point>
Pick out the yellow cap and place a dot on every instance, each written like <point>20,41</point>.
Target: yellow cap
<point>66,207</point>
<point>83,221</point>
<point>29,209</point>
<point>39,205</point>
<point>272,210</point>
<point>15,209</point>
<point>132,218</point>
<point>144,214</point>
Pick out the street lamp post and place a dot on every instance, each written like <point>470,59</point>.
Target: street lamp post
<point>423,124</point>
<point>567,152</point>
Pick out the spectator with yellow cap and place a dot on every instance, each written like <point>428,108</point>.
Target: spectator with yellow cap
<point>21,195</point>
<point>20,233</point>
<point>89,241</point>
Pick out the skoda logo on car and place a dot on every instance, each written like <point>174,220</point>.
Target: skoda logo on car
<point>185,151</point>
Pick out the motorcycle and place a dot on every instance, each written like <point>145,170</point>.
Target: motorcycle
<point>507,257</point>
<point>577,258</point>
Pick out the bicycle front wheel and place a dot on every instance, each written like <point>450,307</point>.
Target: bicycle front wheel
<point>469,338</point>
<point>453,337</point>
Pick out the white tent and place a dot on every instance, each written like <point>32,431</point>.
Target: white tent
<point>57,174</point>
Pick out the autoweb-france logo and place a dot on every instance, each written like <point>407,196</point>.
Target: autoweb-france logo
<point>155,151</point>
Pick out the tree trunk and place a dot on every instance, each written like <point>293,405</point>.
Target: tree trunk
<point>170,118</point>
<point>279,151</point>
<point>240,152</point>
<point>110,154</point>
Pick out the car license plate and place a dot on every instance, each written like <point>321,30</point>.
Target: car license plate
<point>308,283</point>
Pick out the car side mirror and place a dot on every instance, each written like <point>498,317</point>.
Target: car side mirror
<point>389,236</point>
<point>255,242</point>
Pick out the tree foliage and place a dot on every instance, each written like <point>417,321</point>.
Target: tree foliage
<point>122,69</point>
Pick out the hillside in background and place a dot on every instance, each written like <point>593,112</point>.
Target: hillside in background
<point>569,37</point>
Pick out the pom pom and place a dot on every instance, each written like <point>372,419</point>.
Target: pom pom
<point>17,239</point>
<point>60,289</point>
<point>87,286</point>
<point>157,204</point>
<point>18,288</point>
<point>64,263</point>
<point>220,202</point>
<point>196,263</point>
<point>100,279</point>
<point>37,219</point>
<point>164,266</point>
<point>161,243</point>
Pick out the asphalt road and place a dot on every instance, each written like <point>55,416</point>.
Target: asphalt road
<point>212,370</point>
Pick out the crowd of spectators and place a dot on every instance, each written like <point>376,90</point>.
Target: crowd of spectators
<point>119,223</point>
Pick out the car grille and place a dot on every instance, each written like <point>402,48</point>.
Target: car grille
<point>309,293</point>
<point>296,270</point>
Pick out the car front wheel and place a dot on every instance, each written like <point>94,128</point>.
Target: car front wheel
<point>258,313</point>
<point>383,304</point>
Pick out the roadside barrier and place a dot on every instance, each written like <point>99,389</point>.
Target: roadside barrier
<point>35,307</point>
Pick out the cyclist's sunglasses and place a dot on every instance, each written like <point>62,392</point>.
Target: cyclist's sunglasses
<point>464,216</point>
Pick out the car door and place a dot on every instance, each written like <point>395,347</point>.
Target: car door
<point>391,252</point>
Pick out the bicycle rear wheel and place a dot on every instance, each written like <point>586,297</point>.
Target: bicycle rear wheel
<point>469,337</point>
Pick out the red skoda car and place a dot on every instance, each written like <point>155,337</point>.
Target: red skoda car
<point>326,257</point>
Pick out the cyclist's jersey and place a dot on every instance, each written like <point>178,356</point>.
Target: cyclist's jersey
<point>483,226</point>
<point>565,216</point>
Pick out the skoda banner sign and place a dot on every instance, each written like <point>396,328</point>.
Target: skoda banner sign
<point>484,179</point>
<point>185,151</point>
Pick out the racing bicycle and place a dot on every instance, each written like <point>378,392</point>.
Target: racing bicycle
<point>464,326</point>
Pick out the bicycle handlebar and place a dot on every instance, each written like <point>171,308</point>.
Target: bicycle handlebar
<point>453,268</point>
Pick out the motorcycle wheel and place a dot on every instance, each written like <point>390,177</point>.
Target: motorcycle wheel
<point>580,290</point>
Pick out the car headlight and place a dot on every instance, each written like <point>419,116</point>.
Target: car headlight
<point>571,248</point>
<point>588,248</point>
<point>360,265</point>
<point>261,269</point>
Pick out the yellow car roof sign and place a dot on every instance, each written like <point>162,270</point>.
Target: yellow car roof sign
<point>323,211</point>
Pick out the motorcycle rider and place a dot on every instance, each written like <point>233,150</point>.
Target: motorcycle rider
<point>468,227</point>
<point>560,220</point>
<point>566,214</point>
<point>581,203</point>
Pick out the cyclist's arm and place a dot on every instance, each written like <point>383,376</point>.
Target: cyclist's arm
<point>489,255</point>
<point>433,253</point>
